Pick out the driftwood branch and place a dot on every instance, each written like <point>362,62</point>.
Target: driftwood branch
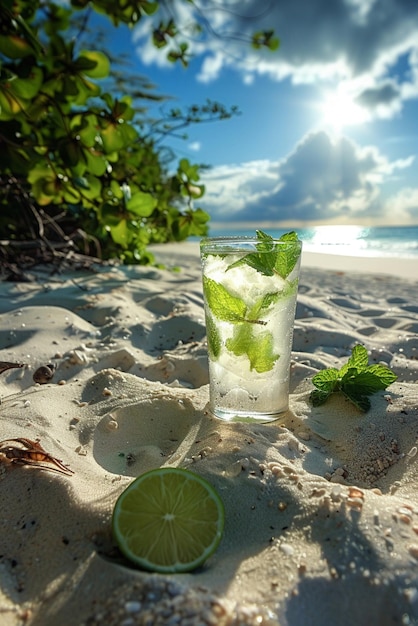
<point>42,238</point>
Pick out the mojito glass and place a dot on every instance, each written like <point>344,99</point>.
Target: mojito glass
<point>250,288</point>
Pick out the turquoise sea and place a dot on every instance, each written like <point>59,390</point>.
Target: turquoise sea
<point>375,241</point>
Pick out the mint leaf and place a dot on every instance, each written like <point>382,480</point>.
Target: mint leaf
<point>262,261</point>
<point>387,377</point>
<point>240,340</point>
<point>363,383</point>
<point>223,305</point>
<point>356,379</point>
<point>291,287</point>
<point>319,397</point>
<point>265,302</point>
<point>346,373</point>
<point>272,258</point>
<point>287,254</point>
<point>262,305</point>
<point>326,380</point>
<point>257,347</point>
<point>360,401</point>
<point>213,338</point>
<point>268,299</point>
<point>358,359</point>
<point>260,352</point>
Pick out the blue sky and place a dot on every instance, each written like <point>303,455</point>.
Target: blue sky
<point>328,131</point>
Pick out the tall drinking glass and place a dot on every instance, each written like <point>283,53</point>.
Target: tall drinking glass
<point>250,288</point>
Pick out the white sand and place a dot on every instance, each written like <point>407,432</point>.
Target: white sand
<point>321,507</point>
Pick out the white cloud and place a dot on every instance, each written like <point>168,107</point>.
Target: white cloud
<point>211,68</point>
<point>195,146</point>
<point>404,204</point>
<point>354,42</point>
<point>325,178</point>
<point>230,188</point>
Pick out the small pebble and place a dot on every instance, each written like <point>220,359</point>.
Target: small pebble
<point>133,607</point>
<point>287,549</point>
<point>413,550</point>
<point>337,478</point>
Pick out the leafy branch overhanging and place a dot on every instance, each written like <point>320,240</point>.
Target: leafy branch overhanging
<point>83,170</point>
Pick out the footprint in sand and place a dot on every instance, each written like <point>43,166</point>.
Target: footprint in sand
<point>168,333</point>
<point>143,436</point>
<point>372,312</point>
<point>412,308</point>
<point>345,303</point>
<point>385,322</point>
<point>188,369</point>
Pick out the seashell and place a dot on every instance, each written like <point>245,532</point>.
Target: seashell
<point>44,374</point>
<point>356,493</point>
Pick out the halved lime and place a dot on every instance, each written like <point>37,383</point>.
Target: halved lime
<point>168,520</point>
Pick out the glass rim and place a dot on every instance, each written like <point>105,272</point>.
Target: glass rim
<point>244,240</point>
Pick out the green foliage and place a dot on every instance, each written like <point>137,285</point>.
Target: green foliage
<point>356,380</point>
<point>125,11</point>
<point>77,165</point>
<point>265,39</point>
<point>81,165</point>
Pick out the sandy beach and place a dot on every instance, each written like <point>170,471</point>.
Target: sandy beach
<point>321,506</point>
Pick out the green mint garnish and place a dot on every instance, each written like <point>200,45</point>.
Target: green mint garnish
<point>356,379</point>
<point>213,338</point>
<point>258,348</point>
<point>272,258</point>
<point>223,305</point>
<point>229,308</point>
<point>264,303</point>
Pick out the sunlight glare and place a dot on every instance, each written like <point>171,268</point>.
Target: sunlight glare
<point>339,109</point>
<point>339,239</point>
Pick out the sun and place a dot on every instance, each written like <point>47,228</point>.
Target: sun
<point>339,109</point>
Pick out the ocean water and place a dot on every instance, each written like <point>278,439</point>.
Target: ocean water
<point>373,241</point>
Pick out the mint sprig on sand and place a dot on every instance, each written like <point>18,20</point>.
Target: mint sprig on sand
<point>271,257</point>
<point>357,380</point>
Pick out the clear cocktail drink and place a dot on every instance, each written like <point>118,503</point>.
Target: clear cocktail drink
<point>250,288</point>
